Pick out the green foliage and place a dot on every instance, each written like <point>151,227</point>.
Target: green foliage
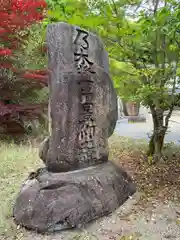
<point>124,76</point>
<point>150,45</point>
<point>32,57</point>
<point>143,47</point>
<point>144,52</point>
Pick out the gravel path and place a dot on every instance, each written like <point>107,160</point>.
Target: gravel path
<point>160,221</point>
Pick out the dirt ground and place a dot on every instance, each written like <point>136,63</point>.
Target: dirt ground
<point>153,213</point>
<point>158,221</point>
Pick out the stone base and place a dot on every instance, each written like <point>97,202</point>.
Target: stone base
<point>55,201</point>
<point>135,119</point>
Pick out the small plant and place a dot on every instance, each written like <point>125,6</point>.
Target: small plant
<point>134,236</point>
<point>85,236</point>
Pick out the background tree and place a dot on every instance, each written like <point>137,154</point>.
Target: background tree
<point>151,46</point>
<point>143,50</point>
<point>146,44</point>
<point>19,88</point>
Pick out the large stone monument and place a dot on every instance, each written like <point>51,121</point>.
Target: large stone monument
<point>78,184</point>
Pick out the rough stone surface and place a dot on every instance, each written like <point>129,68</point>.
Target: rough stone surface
<point>61,47</point>
<point>63,154</point>
<point>159,221</point>
<point>53,201</point>
<point>83,102</point>
<point>78,183</point>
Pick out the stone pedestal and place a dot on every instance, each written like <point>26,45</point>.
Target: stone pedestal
<point>78,183</point>
<point>55,201</point>
<point>136,119</point>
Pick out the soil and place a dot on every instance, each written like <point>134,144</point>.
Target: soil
<point>153,213</point>
<point>159,221</point>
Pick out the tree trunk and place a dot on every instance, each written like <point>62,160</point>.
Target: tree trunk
<point>156,142</point>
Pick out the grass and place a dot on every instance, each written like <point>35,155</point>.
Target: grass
<point>162,180</point>
<point>16,163</point>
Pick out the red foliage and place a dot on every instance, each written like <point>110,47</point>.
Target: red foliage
<point>42,78</point>
<point>16,15</point>
<point>5,51</point>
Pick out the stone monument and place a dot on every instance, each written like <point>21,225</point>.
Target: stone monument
<point>78,183</point>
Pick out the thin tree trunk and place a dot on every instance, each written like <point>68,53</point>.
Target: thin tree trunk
<point>156,142</point>
<point>151,146</point>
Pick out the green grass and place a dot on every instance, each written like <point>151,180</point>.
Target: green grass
<point>16,163</point>
<point>119,145</point>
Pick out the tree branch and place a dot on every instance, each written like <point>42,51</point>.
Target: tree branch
<point>172,99</point>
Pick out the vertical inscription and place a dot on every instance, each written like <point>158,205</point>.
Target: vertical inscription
<point>87,121</point>
<point>86,148</point>
<point>81,56</point>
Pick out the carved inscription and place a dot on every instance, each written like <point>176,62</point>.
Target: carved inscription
<point>86,121</point>
<point>84,35</point>
<point>86,148</point>
<point>81,56</point>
